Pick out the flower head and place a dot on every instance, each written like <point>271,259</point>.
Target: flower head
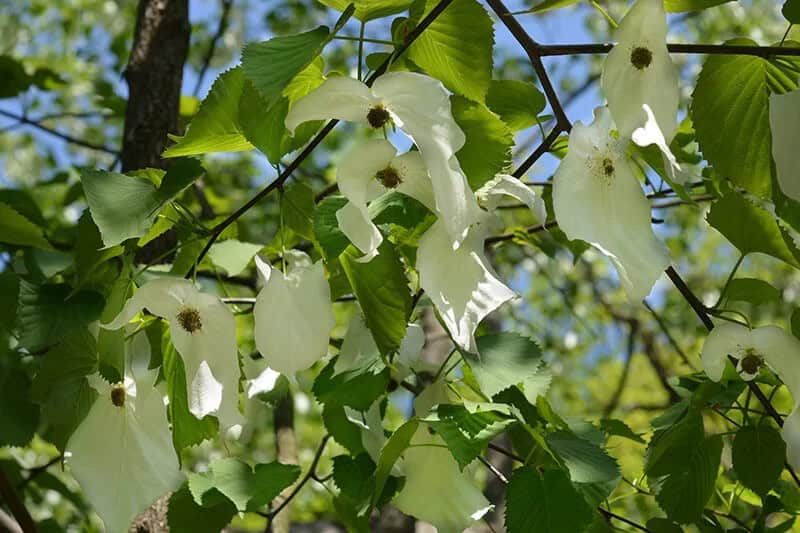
<point>203,331</point>
<point>293,315</point>
<point>597,198</point>
<point>122,454</point>
<point>638,71</point>
<point>784,120</point>
<point>369,170</point>
<point>420,106</point>
<point>768,345</point>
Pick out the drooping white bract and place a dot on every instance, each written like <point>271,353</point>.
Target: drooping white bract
<point>293,314</point>
<point>369,170</point>
<point>122,454</point>
<point>768,344</point>
<point>460,283</point>
<point>203,331</point>
<point>597,198</point>
<point>784,121</point>
<point>504,185</point>
<point>638,71</point>
<point>420,106</point>
<point>649,134</point>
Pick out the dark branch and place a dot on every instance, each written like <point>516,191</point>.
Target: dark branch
<point>544,50</point>
<point>15,505</point>
<point>221,27</point>
<point>36,123</point>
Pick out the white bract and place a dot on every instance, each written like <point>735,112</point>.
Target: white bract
<point>767,344</point>
<point>369,170</point>
<point>420,106</point>
<point>461,283</point>
<point>359,349</point>
<point>436,490</point>
<point>597,198</point>
<point>638,71</point>
<point>293,314</point>
<point>203,331</point>
<point>784,120</point>
<point>122,454</point>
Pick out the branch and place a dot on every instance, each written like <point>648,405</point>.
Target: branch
<point>221,27</point>
<point>612,404</point>
<point>15,505</point>
<point>544,50</point>
<point>318,138</point>
<point>36,123</point>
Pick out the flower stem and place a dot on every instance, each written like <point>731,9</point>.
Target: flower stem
<point>364,39</point>
<point>602,10</point>
<point>728,282</point>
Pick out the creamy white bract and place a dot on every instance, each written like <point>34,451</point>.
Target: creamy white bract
<point>203,331</point>
<point>122,454</point>
<point>784,121</point>
<point>420,106</point>
<point>597,198</point>
<point>768,345</point>
<point>293,314</point>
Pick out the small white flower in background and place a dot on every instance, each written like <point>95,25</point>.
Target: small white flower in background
<point>203,331</point>
<point>753,348</point>
<point>784,121</point>
<point>369,170</point>
<point>420,106</point>
<point>435,489</point>
<point>293,314</point>
<point>461,283</point>
<point>122,453</point>
<point>597,198</point>
<point>638,71</point>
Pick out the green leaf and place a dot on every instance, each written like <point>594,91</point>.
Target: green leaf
<point>752,290</point>
<point>730,111</point>
<point>354,388</point>
<point>355,476</point>
<point>550,5</point>
<point>398,209</point>
<point>233,256</point>
<point>517,103</point>
<point>795,322</point>
<point>546,503</point>
<point>508,359</point>
<point>326,228</point>
<point>683,494</point>
<point>19,417</point>
<point>126,206</point>
<point>758,456</point>
<point>47,313</point>
<point>15,79</point>
<point>791,11</point>
<point>612,426</point>
<point>752,229</point>
<point>215,127</point>
<point>248,488</point>
<point>586,462</point>
<point>390,453</point>
<point>186,516</point>
<point>466,433</point>
<point>298,207</point>
<point>17,230</point>
<point>271,65</point>
<point>457,47</point>
<point>187,430</point>
<point>60,386</point>
<point>662,525</point>
<point>487,149</point>
<point>343,431</point>
<point>382,291</point>
<point>670,447</point>
<point>680,6</point>
<point>367,10</point>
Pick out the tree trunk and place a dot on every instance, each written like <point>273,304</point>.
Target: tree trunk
<point>154,75</point>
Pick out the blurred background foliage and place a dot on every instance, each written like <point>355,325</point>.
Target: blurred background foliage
<point>71,116</point>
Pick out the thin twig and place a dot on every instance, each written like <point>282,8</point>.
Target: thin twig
<point>36,123</point>
<point>221,27</point>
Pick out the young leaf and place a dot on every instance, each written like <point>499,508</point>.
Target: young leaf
<point>681,6</point>
<point>752,229</point>
<point>546,503</point>
<point>731,115</point>
<point>233,256</point>
<point>457,47</point>
<point>367,10</point>
<point>390,453</point>
<point>758,456</point>
<point>518,103</point>
<point>508,359</point>
<point>586,462</point>
<point>487,150</point>
<point>752,290</point>
<point>382,291</point>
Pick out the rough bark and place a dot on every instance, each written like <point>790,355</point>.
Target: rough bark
<point>154,75</point>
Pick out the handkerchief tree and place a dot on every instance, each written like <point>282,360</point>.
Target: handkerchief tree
<point>484,266</point>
